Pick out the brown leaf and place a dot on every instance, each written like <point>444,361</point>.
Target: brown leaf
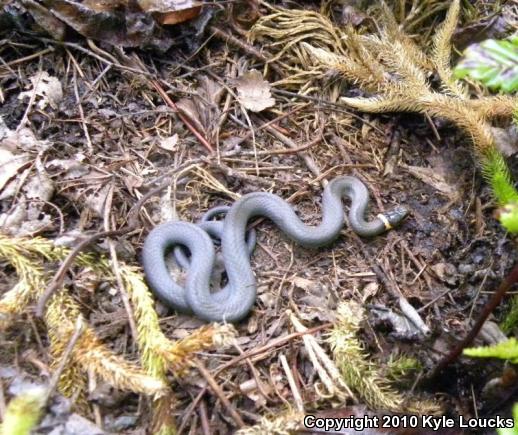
<point>44,19</point>
<point>47,89</point>
<point>112,22</point>
<point>10,164</point>
<point>203,108</point>
<point>433,178</point>
<point>253,92</point>
<point>171,11</point>
<point>169,143</point>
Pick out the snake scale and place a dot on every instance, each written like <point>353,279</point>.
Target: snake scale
<point>235,300</point>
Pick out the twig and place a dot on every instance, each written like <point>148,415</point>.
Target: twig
<point>406,308</point>
<point>274,343</point>
<point>116,269</point>
<point>495,300</point>
<point>190,410</point>
<point>184,119</point>
<point>324,366</point>
<point>328,105</point>
<point>305,147</point>
<point>218,392</point>
<point>245,47</point>
<point>26,58</point>
<point>306,158</point>
<point>81,111</point>
<point>293,386</point>
<point>205,426</point>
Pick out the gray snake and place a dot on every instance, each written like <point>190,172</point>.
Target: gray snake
<point>234,301</point>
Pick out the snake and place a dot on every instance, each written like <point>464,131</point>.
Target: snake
<point>235,300</point>
<point>215,230</point>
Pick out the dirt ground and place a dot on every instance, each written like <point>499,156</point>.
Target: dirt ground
<point>112,138</point>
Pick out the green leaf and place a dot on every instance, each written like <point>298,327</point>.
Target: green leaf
<point>493,62</point>
<point>507,350</point>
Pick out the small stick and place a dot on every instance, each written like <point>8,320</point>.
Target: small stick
<point>184,119</point>
<point>123,292</point>
<point>274,343</point>
<point>26,58</point>
<point>495,300</point>
<point>80,108</point>
<point>292,150</point>
<point>406,308</point>
<point>249,49</point>
<point>218,392</point>
<point>205,426</point>
<point>307,159</point>
<point>291,381</point>
<point>190,410</point>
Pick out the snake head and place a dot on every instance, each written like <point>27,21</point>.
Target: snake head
<point>396,215</point>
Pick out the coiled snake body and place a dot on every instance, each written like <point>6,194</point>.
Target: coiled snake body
<point>235,300</point>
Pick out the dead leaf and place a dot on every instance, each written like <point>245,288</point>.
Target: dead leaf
<point>446,272</point>
<point>10,165</point>
<point>26,219</point>
<point>402,328</point>
<point>506,139</point>
<point>369,291</point>
<point>305,284</point>
<point>251,390</point>
<point>11,222</point>
<point>203,109</point>
<point>45,20</point>
<point>40,186</point>
<point>169,143</point>
<point>434,179</point>
<point>97,201</point>
<point>253,92</point>
<point>71,168</point>
<point>171,11</point>
<point>113,22</point>
<point>47,89</point>
<point>23,139</point>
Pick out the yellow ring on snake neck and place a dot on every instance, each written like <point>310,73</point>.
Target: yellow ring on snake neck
<point>385,221</point>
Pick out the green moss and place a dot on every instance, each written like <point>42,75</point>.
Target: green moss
<point>510,320</point>
<point>401,366</point>
<point>506,350</point>
<point>498,176</point>
<point>512,430</point>
<point>23,413</point>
